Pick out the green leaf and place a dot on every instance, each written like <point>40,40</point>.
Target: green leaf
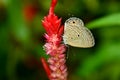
<point>106,54</point>
<point>110,20</point>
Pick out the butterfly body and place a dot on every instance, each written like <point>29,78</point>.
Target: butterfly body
<point>76,34</point>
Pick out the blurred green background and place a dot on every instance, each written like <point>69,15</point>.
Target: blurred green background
<point>21,39</point>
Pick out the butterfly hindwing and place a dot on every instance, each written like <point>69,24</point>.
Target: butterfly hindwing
<point>79,36</point>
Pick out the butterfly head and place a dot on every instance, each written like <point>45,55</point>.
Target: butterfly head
<point>73,21</point>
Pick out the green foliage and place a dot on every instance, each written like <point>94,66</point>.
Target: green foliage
<point>21,40</point>
<point>110,20</point>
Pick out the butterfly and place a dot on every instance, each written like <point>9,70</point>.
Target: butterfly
<point>76,34</point>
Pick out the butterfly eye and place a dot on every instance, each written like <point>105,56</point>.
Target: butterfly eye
<point>73,22</point>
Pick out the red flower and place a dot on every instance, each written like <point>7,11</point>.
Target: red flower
<point>51,22</point>
<point>53,46</point>
<point>54,30</point>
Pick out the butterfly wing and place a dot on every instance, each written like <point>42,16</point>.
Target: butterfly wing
<point>78,36</point>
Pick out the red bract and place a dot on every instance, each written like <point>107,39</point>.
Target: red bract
<point>51,22</point>
<point>45,65</point>
<point>54,46</point>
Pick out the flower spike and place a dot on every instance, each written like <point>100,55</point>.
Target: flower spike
<point>53,46</point>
